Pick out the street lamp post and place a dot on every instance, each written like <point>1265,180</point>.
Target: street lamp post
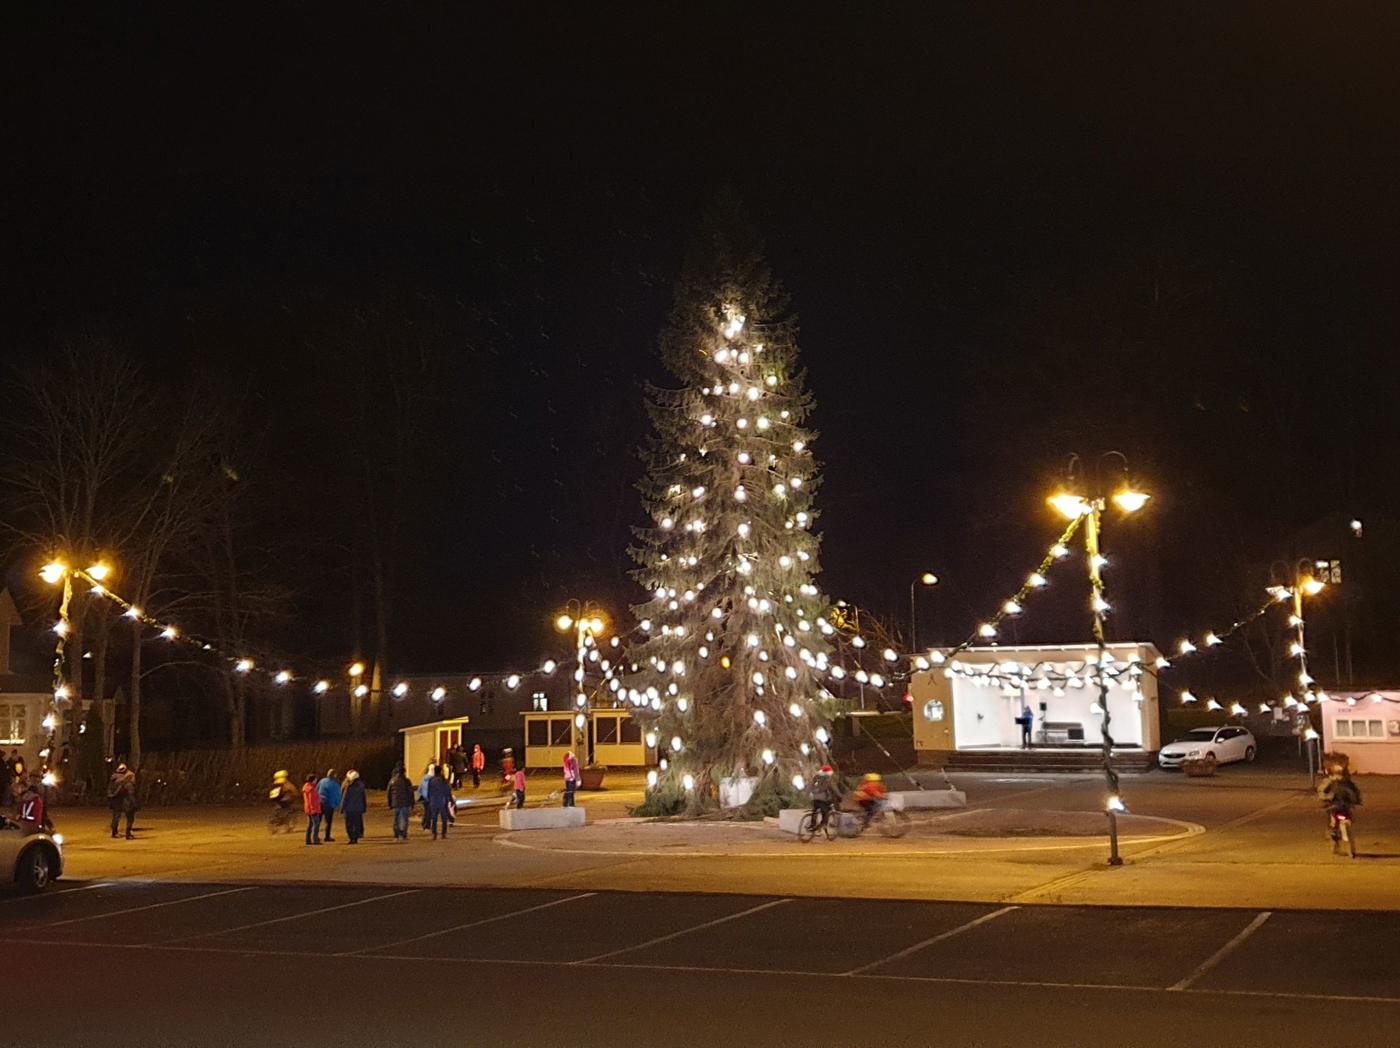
<point>588,621</point>
<point>1128,499</point>
<point>929,579</point>
<point>54,572</point>
<point>1302,584</point>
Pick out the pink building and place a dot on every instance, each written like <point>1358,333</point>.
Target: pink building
<point>1365,725</point>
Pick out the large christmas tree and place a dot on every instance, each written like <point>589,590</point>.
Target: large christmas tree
<point>729,674</point>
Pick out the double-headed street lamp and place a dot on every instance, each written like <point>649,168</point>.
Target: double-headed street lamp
<point>587,621</point>
<point>1074,503</point>
<point>928,579</point>
<point>1302,584</point>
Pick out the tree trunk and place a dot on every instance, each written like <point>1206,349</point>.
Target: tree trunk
<point>133,756</point>
<point>99,684</point>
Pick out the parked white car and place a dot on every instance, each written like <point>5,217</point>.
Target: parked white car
<point>32,860</point>
<point>1220,745</point>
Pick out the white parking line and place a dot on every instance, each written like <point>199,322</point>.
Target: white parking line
<point>138,909</point>
<point>463,927</point>
<point>1224,951</point>
<point>683,931</point>
<point>929,942</point>
<point>289,917</point>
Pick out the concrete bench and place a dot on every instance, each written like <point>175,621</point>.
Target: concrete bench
<point>541,818</point>
<point>909,800</point>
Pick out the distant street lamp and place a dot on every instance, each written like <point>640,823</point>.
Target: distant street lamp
<point>1072,503</point>
<point>928,579</point>
<point>588,621</point>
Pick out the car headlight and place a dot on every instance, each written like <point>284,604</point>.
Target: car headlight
<point>1193,753</point>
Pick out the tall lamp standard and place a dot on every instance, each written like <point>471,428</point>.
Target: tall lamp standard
<point>930,580</point>
<point>1302,584</point>
<point>587,621</point>
<point>54,572</point>
<point>1072,503</point>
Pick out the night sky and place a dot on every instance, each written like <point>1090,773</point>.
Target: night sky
<point>1012,232</point>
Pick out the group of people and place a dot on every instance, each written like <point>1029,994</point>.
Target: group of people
<point>459,764</point>
<point>321,799</point>
<point>827,795</point>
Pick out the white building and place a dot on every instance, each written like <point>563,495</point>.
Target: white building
<point>972,703</point>
<point>23,702</point>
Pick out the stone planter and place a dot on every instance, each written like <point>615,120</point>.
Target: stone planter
<point>734,792</point>
<point>1198,768</point>
<point>591,778</point>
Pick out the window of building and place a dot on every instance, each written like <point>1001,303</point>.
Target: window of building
<point>1358,728</point>
<point>933,710</point>
<point>605,730</point>
<point>631,731</point>
<point>537,733</point>
<point>12,723</point>
<point>560,731</point>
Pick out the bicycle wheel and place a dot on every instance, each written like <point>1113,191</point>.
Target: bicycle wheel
<point>807,828</point>
<point>894,823</point>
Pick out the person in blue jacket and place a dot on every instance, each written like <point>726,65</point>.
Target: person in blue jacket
<point>423,792</point>
<point>439,797</point>
<point>353,803</point>
<point>329,789</point>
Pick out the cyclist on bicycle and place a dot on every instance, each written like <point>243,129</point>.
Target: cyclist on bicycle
<point>825,796</point>
<point>1339,795</point>
<point>283,796</point>
<point>870,794</point>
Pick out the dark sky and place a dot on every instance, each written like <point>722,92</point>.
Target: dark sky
<point>1011,232</point>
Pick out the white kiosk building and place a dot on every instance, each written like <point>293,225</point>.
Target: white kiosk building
<point>966,711</point>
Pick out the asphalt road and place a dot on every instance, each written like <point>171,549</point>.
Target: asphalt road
<point>150,963</point>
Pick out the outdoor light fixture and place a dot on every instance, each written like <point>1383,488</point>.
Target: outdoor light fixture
<point>1130,500</point>
<point>1069,505</point>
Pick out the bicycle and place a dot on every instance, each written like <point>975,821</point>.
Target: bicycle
<point>282,820</point>
<point>812,823</point>
<point>886,820</point>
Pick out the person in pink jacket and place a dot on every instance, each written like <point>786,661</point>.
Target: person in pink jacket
<point>571,778</point>
<point>519,783</point>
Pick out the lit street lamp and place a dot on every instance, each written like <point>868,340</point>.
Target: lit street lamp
<point>930,580</point>
<point>1073,504</point>
<point>54,572</point>
<point>587,621</point>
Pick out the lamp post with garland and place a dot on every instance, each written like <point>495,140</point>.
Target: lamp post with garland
<point>1072,501</point>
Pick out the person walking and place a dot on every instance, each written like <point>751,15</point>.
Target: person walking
<point>353,803</point>
<point>311,805</point>
<point>329,789</point>
<point>478,765</point>
<point>32,816</point>
<point>283,796</point>
<point>518,780</point>
<point>400,795</point>
<point>458,760</point>
<point>439,796</point>
<point>571,778</point>
<point>507,768</point>
<point>423,784</point>
<point>121,798</point>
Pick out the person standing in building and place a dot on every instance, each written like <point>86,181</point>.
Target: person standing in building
<point>329,789</point>
<point>311,806</point>
<point>353,803</point>
<point>478,766</point>
<point>400,795</point>
<point>571,778</point>
<point>121,798</point>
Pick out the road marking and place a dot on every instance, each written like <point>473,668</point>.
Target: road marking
<point>138,909</point>
<point>805,975</point>
<point>936,939</point>
<point>59,892</point>
<point>463,927</point>
<point>289,917</point>
<point>683,931</point>
<point>1224,951</point>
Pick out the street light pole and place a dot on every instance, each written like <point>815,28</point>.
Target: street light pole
<point>1072,505</point>
<point>927,578</point>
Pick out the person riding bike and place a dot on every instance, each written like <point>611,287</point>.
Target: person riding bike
<point>283,796</point>
<point>870,794</point>
<point>825,796</point>
<point>1339,795</point>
